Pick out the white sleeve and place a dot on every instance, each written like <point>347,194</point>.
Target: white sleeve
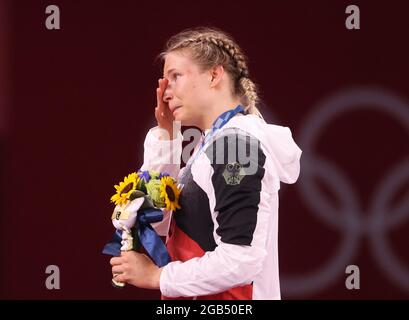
<point>162,156</point>
<point>226,267</point>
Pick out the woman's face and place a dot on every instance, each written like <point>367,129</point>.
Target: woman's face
<point>188,90</point>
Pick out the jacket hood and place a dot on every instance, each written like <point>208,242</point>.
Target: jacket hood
<point>276,140</point>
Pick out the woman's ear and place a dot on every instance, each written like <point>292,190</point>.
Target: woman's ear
<point>216,74</point>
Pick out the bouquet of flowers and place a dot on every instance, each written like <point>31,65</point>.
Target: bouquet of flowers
<point>139,200</point>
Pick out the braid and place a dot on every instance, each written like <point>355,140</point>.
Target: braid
<point>211,47</point>
<point>239,60</point>
<point>250,92</point>
<point>234,52</point>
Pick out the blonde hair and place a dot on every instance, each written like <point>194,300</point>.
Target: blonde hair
<point>210,47</point>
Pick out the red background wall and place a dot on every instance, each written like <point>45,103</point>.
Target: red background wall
<point>81,99</point>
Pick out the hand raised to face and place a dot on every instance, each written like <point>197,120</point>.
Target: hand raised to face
<point>163,115</point>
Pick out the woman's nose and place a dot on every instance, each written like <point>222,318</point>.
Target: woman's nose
<point>167,95</point>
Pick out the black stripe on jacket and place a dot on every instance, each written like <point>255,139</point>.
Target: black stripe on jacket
<point>238,164</point>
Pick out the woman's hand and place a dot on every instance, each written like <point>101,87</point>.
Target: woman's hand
<point>162,112</point>
<point>136,269</point>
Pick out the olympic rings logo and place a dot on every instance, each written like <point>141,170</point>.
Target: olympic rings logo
<point>348,218</point>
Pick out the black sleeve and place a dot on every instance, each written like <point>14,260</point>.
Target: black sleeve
<point>238,164</point>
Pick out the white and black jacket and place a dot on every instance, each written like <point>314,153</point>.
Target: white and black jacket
<point>224,239</point>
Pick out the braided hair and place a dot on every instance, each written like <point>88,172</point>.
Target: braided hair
<point>210,47</point>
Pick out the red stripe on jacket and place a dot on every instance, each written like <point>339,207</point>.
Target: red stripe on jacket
<point>182,248</point>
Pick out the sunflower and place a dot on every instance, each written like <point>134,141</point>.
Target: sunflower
<point>170,192</point>
<point>125,189</point>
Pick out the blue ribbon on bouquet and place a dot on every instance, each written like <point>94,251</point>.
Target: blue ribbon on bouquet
<point>148,237</point>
